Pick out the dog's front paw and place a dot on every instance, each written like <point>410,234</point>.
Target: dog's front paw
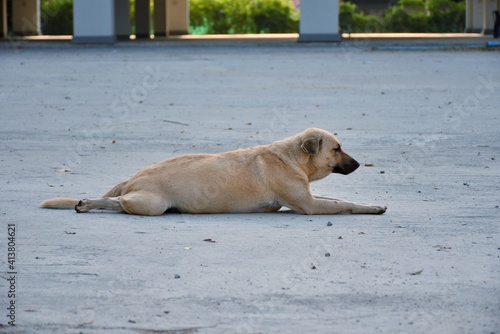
<point>82,206</point>
<point>378,210</point>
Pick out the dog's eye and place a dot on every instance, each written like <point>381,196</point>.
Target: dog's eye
<point>336,149</point>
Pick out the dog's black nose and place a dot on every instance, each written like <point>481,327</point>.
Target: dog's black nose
<point>346,168</point>
<point>355,165</point>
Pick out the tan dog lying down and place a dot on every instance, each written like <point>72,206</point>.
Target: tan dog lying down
<point>255,179</point>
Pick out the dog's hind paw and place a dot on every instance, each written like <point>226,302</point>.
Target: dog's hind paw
<point>82,206</point>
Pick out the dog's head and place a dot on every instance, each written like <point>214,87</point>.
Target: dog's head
<point>325,154</point>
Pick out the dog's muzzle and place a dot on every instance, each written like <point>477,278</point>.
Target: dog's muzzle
<point>347,168</point>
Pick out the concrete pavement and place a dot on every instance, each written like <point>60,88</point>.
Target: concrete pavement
<point>75,120</point>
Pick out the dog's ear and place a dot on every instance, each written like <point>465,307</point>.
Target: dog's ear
<point>311,145</point>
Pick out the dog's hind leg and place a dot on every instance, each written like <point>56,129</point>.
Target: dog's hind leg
<point>144,203</point>
<point>107,203</point>
<point>135,203</point>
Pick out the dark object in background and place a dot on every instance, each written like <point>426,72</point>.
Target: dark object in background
<point>496,28</point>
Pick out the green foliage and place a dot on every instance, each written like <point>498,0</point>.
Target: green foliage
<point>57,17</point>
<point>446,16</point>
<point>352,21</point>
<point>242,16</point>
<point>273,16</point>
<point>407,16</point>
<point>214,16</point>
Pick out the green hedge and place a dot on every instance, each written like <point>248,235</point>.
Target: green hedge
<point>351,20</point>
<point>446,16</point>
<point>274,16</point>
<point>242,16</point>
<point>56,17</point>
<point>407,16</point>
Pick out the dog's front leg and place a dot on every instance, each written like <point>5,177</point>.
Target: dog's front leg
<point>328,198</point>
<point>325,203</point>
<point>301,200</point>
<point>318,205</point>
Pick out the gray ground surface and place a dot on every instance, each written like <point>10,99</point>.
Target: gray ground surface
<point>74,121</point>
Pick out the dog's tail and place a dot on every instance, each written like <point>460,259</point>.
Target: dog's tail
<point>59,203</point>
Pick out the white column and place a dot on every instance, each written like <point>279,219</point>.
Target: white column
<point>177,17</point>
<point>490,6</point>
<point>479,17</point>
<point>469,14</point>
<point>319,21</point>
<point>26,17</point>
<point>93,21</point>
<point>476,16</point>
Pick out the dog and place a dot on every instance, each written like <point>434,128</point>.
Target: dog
<point>255,179</point>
